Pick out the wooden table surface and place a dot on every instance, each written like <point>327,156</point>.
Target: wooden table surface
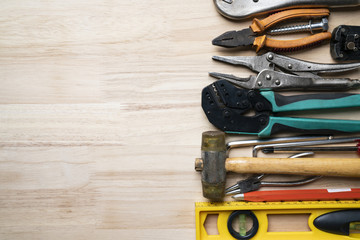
<point>100,116</point>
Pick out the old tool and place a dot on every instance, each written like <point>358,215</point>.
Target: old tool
<point>278,72</point>
<point>330,220</point>
<point>313,149</point>
<point>300,195</point>
<point>255,35</point>
<point>225,106</point>
<point>309,143</point>
<point>255,182</point>
<point>254,142</point>
<point>240,9</point>
<point>213,165</point>
<point>345,43</point>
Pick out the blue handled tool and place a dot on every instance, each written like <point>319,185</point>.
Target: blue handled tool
<point>226,106</point>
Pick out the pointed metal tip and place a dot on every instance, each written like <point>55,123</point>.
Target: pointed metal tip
<point>216,42</point>
<point>235,191</point>
<point>239,197</point>
<point>233,187</point>
<point>216,58</point>
<point>224,76</point>
<point>214,74</point>
<point>225,40</point>
<point>233,39</point>
<point>226,59</point>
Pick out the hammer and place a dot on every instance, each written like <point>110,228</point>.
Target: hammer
<point>213,165</point>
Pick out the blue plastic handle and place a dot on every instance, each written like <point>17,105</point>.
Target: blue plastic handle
<point>282,103</point>
<point>277,124</point>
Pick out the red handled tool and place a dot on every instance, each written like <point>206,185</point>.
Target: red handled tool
<point>300,195</point>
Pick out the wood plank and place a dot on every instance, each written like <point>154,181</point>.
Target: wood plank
<point>100,116</point>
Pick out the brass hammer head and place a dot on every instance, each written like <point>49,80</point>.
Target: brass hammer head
<point>212,165</point>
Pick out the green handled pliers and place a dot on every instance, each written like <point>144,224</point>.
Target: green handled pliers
<point>227,107</point>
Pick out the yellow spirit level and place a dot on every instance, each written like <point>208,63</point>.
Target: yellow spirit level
<point>328,220</point>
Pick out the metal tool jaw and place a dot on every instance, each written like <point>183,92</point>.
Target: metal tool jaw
<point>241,9</point>
<point>272,60</point>
<point>226,105</point>
<point>255,183</point>
<point>232,39</point>
<point>345,43</point>
<point>218,100</point>
<point>280,72</point>
<point>256,34</point>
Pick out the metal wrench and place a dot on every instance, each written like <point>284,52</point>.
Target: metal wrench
<point>240,9</point>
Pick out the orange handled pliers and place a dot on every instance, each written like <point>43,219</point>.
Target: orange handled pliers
<point>252,36</point>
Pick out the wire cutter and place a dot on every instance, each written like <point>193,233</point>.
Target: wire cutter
<point>227,106</point>
<point>255,183</point>
<point>253,36</point>
<point>280,72</point>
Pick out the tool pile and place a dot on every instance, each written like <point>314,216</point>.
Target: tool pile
<point>252,105</point>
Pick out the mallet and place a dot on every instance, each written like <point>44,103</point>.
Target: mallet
<point>213,165</point>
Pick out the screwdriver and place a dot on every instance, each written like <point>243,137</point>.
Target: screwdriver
<point>300,195</point>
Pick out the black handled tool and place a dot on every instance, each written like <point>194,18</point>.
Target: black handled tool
<point>345,43</point>
<point>338,222</point>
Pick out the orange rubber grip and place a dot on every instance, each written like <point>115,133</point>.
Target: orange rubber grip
<point>263,41</point>
<point>259,26</point>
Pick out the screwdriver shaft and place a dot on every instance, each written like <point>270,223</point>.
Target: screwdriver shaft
<point>312,149</point>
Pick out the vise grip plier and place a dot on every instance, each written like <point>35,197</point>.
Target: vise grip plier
<point>256,36</point>
<point>240,9</point>
<point>227,106</point>
<point>278,72</point>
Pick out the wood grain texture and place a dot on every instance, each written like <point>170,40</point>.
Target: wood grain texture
<point>340,167</point>
<point>100,116</point>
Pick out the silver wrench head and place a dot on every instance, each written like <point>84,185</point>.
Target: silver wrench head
<point>241,9</point>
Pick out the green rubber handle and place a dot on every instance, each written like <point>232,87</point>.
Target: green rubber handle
<point>309,125</point>
<point>282,103</point>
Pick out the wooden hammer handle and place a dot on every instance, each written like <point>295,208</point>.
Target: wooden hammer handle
<point>344,167</point>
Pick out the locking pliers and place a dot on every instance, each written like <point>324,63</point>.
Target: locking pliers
<point>278,72</point>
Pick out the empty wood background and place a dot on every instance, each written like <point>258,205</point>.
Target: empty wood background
<point>100,116</point>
